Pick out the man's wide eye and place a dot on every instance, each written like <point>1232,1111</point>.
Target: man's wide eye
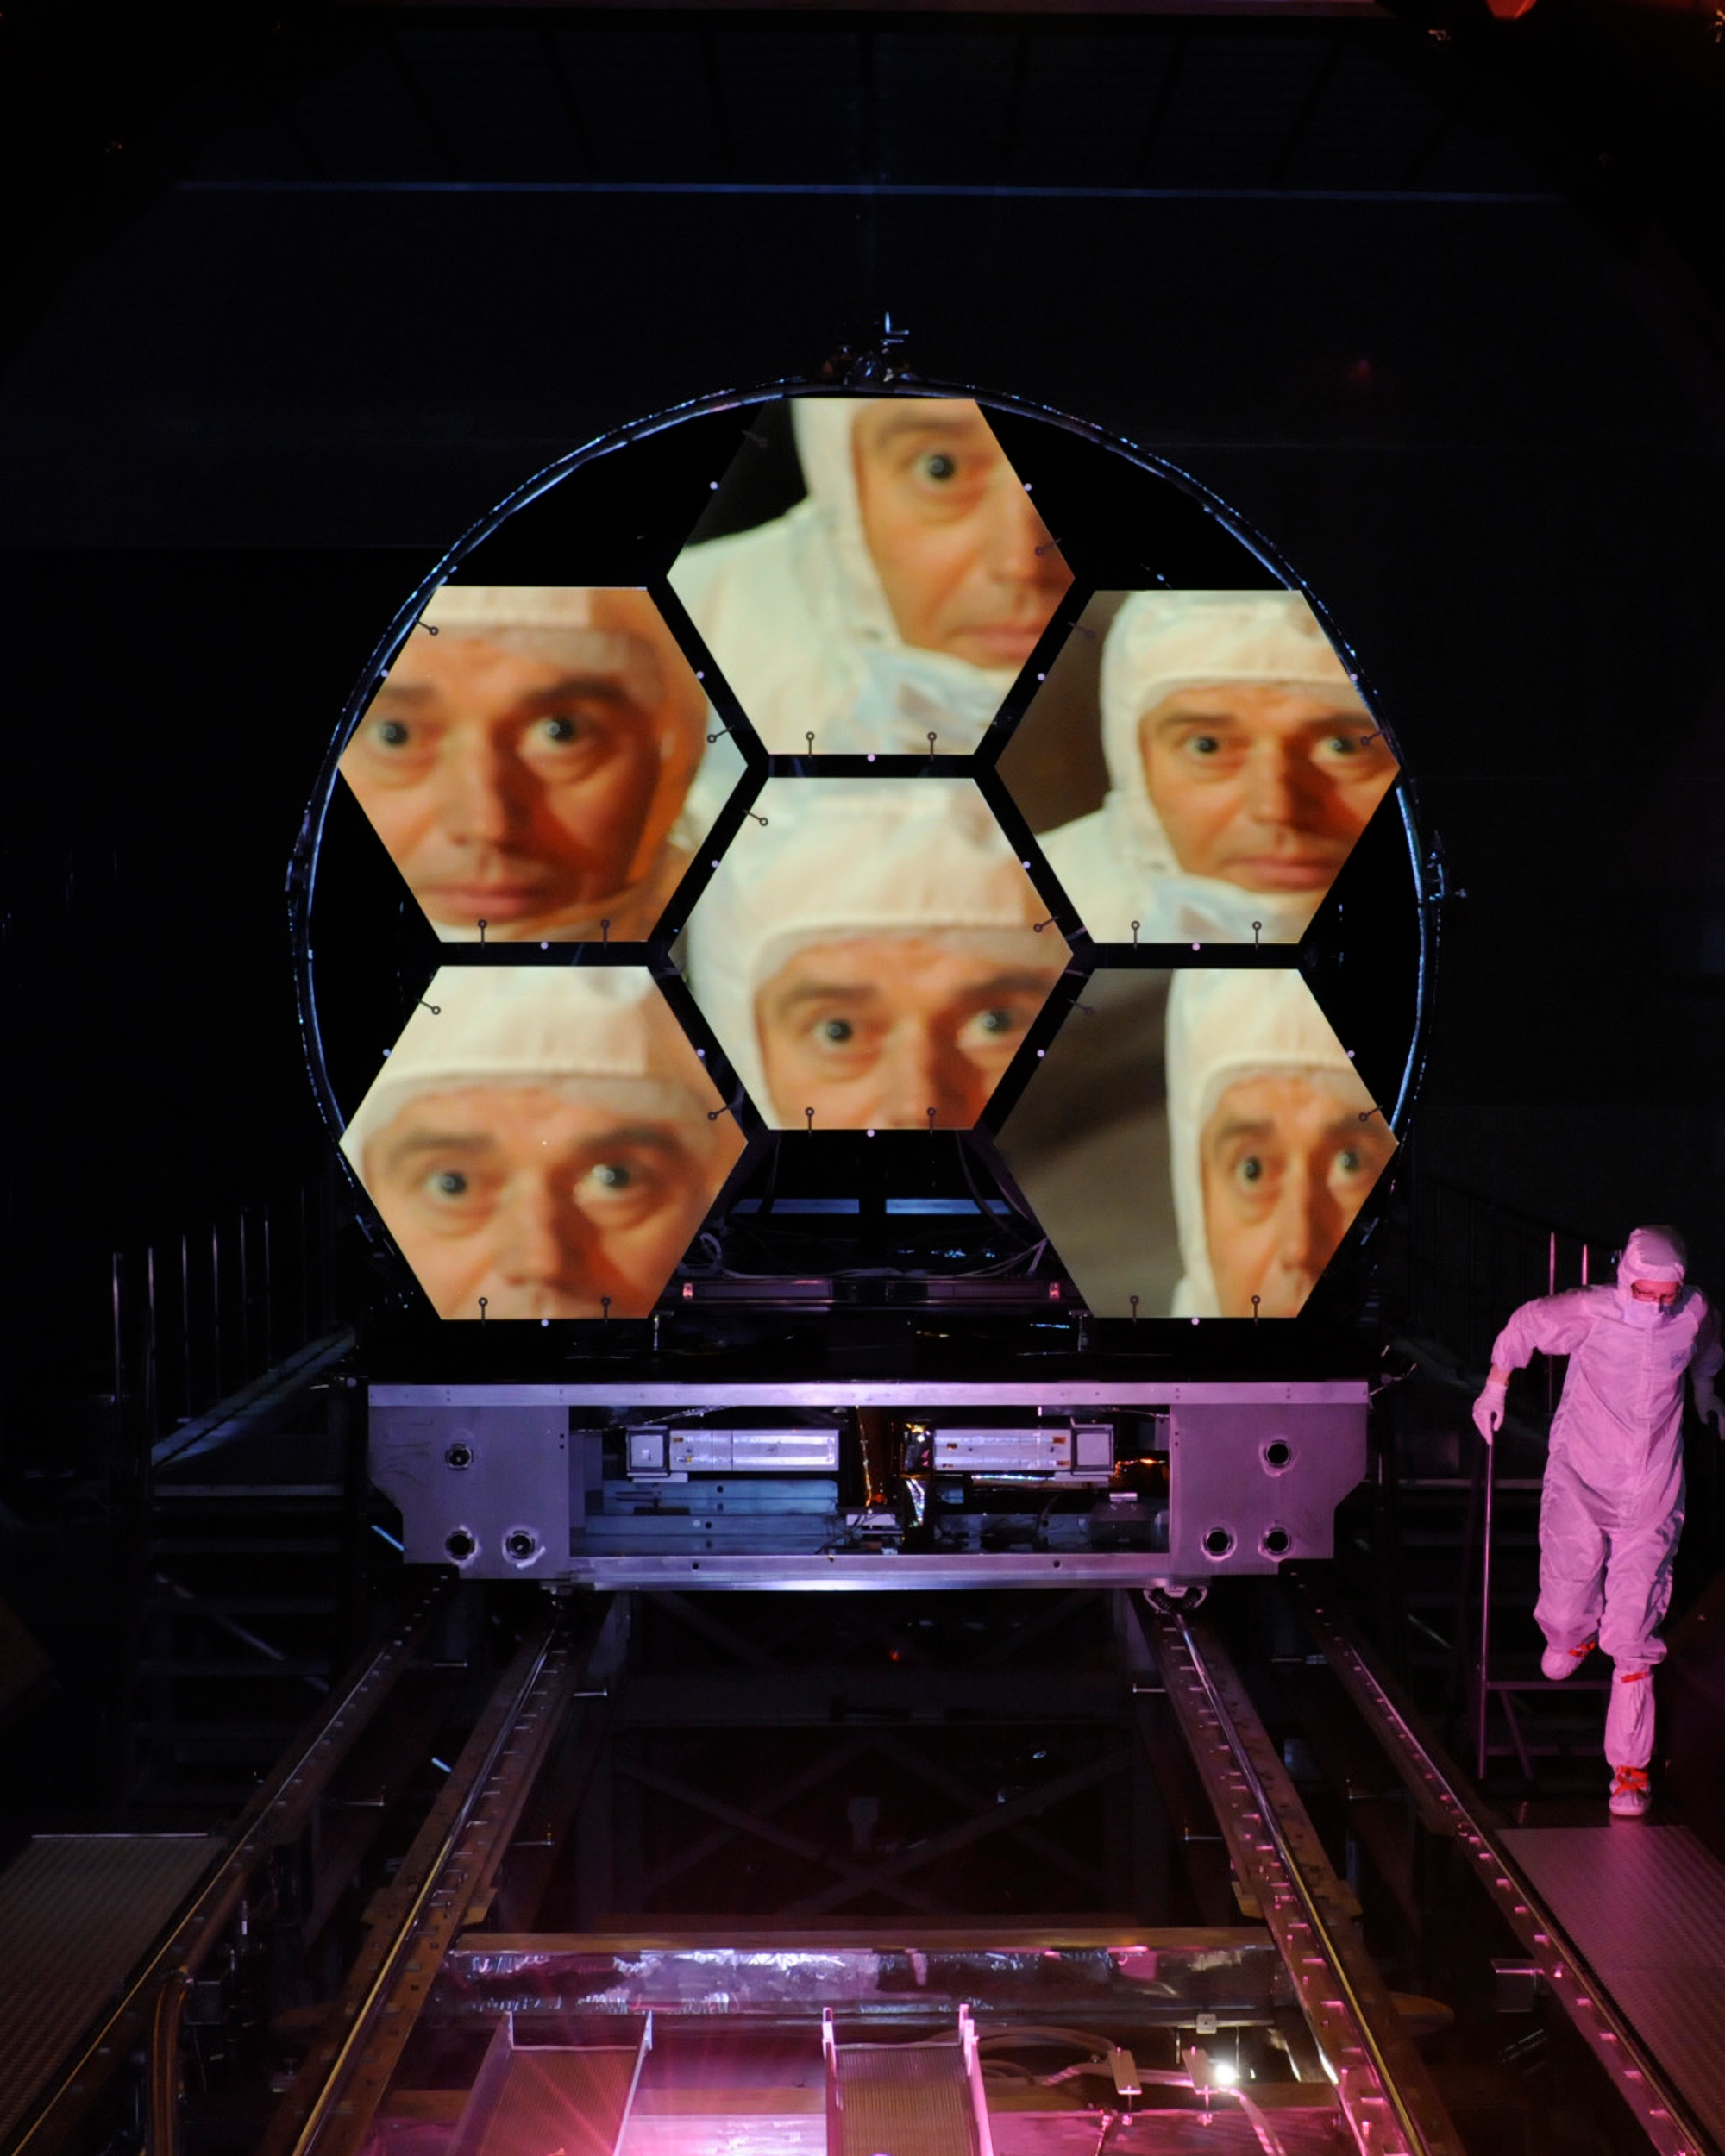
<point>613,1175</point>
<point>1250,1169</point>
<point>393,733</point>
<point>939,465</point>
<point>449,1183</point>
<point>561,731</point>
<point>837,1030</point>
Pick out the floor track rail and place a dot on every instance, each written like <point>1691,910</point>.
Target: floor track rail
<point>1387,2097</point>
<point>443,1885</point>
<point>1657,2107</point>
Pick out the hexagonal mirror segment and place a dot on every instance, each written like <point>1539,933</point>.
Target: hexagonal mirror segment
<point>871,954</point>
<point>542,1141</point>
<point>1197,766</point>
<point>538,763</point>
<point>899,593</point>
<point>1195,1139</point>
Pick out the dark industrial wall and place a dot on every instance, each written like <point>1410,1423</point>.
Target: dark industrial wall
<point>1333,278</point>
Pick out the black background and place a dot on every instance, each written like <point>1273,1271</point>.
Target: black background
<point>291,307</point>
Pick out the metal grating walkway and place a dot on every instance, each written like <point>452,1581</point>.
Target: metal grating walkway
<point>901,2099</point>
<point>1646,1906</point>
<point>77,1911</point>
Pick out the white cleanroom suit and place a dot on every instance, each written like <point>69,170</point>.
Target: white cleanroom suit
<point>603,1030</point>
<point>796,615</point>
<point>1228,1028</point>
<point>1612,1505</point>
<point>545,1138</point>
<point>1118,865</point>
<point>843,859</point>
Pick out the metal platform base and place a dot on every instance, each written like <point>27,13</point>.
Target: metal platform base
<point>76,1912</point>
<point>1645,1905</point>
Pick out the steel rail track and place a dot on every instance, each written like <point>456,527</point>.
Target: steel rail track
<point>151,2004</point>
<point>1388,2098</point>
<point>444,1885</point>
<point>1656,2105</point>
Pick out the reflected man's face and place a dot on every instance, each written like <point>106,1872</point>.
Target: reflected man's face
<point>1286,1164</point>
<point>509,783</point>
<point>540,1202</point>
<point>1262,786</point>
<point>967,564</point>
<point>872,1032</point>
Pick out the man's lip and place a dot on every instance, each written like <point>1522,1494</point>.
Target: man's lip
<point>1278,873</point>
<point>492,901</point>
<point>1009,642</point>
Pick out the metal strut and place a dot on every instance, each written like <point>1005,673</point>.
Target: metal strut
<point>1391,2105</point>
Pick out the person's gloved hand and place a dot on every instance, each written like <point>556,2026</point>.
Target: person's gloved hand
<point>1709,1406</point>
<point>1488,1409</point>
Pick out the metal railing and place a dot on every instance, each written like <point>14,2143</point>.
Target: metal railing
<point>1471,1260</point>
<point>196,1316</point>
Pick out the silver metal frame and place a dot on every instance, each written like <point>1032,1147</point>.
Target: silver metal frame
<point>487,1478</point>
<point>666,1395</point>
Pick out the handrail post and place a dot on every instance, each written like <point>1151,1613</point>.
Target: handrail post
<point>217,1371</point>
<point>161,2136</point>
<point>1482,1689</point>
<point>188,1402</point>
<point>246,1371</point>
<point>152,1400</point>
<point>269,1295</point>
<point>119,1336</point>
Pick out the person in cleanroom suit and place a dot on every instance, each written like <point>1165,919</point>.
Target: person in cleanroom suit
<point>899,598</point>
<point>871,953</point>
<point>541,1142</point>
<point>1612,1506</point>
<point>1242,762</point>
<point>534,762</point>
<point>1274,1141</point>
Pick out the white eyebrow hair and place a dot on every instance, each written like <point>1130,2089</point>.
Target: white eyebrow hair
<point>908,424</point>
<point>823,992</point>
<point>1243,1126</point>
<point>417,1141</point>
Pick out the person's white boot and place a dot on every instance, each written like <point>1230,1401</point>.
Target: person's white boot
<point>1632,1792</point>
<point>1558,1663</point>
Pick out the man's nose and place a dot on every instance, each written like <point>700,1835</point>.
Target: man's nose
<point>1017,546</point>
<point>921,1070</point>
<point>538,1237</point>
<point>483,799</point>
<point>1281,788</point>
<point>1309,1227</point>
